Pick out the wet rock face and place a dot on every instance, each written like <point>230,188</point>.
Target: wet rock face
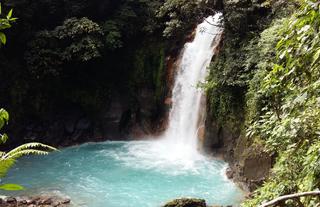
<point>252,166</point>
<point>186,202</point>
<point>118,120</point>
<point>249,165</point>
<point>257,166</point>
<point>38,201</point>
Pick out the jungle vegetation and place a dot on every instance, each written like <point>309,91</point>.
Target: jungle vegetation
<point>7,159</point>
<point>267,82</point>
<point>263,83</point>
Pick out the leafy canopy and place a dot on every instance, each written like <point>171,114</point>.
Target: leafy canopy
<point>75,41</point>
<point>178,14</point>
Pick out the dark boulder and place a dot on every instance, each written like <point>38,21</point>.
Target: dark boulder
<point>186,202</point>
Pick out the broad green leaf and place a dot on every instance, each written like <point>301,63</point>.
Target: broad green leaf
<point>3,138</point>
<point>11,187</point>
<point>316,56</point>
<point>4,114</point>
<point>3,38</point>
<point>9,14</point>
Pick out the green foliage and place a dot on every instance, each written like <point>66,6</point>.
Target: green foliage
<point>112,35</point>
<point>77,40</point>
<point>230,74</point>
<point>54,63</point>
<point>149,69</point>
<point>278,71</point>
<point>261,58</point>
<point>290,123</point>
<point>178,14</point>
<point>159,76</point>
<point>226,107</point>
<point>5,23</point>
<point>7,159</point>
<point>245,56</point>
<point>131,19</point>
<point>4,118</point>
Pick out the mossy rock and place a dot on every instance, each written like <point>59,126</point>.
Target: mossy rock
<point>186,202</point>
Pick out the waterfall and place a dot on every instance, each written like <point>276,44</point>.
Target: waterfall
<point>186,96</point>
<point>176,151</point>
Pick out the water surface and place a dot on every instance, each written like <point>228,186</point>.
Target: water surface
<point>124,174</point>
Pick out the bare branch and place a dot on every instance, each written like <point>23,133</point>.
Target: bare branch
<point>216,25</point>
<point>291,196</point>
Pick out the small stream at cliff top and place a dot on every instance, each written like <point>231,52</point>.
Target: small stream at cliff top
<point>142,173</point>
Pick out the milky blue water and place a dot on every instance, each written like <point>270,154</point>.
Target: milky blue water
<point>123,174</point>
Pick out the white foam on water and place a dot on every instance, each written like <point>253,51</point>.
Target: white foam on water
<point>160,156</point>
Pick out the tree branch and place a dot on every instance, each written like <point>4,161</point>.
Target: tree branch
<point>291,196</point>
<point>216,25</point>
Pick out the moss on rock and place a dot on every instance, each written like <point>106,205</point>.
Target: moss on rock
<point>186,202</point>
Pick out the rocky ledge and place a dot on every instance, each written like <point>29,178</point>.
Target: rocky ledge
<point>189,202</point>
<point>36,201</point>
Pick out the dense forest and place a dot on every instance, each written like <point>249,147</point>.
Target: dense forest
<point>77,71</point>
<point>92,64</point>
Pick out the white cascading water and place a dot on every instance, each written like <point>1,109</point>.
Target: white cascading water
<point>177,148</point>
<point>186,97</point>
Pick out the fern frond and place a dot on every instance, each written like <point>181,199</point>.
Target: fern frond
<point>30,146</point>
<point>25,152</point>
<point>5,165</point>
<point>2,154</point>
<point>7,160</point>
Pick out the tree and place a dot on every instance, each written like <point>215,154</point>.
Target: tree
<point>178,14</point>
<point>75,41</point>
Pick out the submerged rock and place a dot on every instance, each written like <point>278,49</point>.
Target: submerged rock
<point>186,202</point>
<point>229,173</point>
<point>36,201</point>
